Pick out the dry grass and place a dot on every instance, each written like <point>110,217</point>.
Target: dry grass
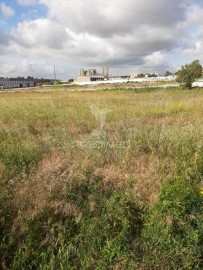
<point>41,162</point>
<point>55,120</point>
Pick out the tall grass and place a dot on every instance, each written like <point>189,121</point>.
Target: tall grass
<point>128,198</point>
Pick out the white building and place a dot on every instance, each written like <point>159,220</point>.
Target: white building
<point>91,75</point>
<point>125,80</point>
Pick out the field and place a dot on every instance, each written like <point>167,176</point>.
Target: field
<point>101,180</point>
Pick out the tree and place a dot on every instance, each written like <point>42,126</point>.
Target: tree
<point>152,75</point>
<point>70,80</point>
<point>58,82</point>
<point>189,73</point>
<point>168,73</point>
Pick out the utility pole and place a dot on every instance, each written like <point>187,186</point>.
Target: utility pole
<point>54,73</point>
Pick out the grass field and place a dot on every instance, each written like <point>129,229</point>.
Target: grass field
<point>101,180</point>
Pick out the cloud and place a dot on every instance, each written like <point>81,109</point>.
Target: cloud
<point>26,67</point>
<point>105,18</point>
<point>40,33</point>
<point>4,38</point>
<point>97,34</point>
<point>6,10</point>
<point>27,2</point>
<point>157,61</point>
<point>93,33</point>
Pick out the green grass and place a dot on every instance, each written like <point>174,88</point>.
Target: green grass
<point>127,198</point>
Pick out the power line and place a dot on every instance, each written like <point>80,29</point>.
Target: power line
<point>139,11</point>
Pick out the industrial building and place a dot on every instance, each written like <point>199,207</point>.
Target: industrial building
<point>21,82</point>
<point>16,83</point>
<point>91,75</point>
<point>44,82</point>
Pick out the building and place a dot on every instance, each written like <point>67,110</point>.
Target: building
<point>91,75</point>
<point>106,72</point>
<point>112,78</point>
<point>21,82</point>
<point>44,82</point>
<point>16,83</point>
<point>134,75</point>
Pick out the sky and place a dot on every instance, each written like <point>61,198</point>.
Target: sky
<point>127,36</point>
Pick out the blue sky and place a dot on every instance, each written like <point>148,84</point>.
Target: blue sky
<point>22,12</point>
<point>130,36</point>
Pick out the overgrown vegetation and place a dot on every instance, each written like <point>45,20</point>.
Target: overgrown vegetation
<point>126,198</point>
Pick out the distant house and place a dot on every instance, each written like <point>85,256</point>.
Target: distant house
<point>134,75</point>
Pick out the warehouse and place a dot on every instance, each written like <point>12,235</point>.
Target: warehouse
<point>16,83</point>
